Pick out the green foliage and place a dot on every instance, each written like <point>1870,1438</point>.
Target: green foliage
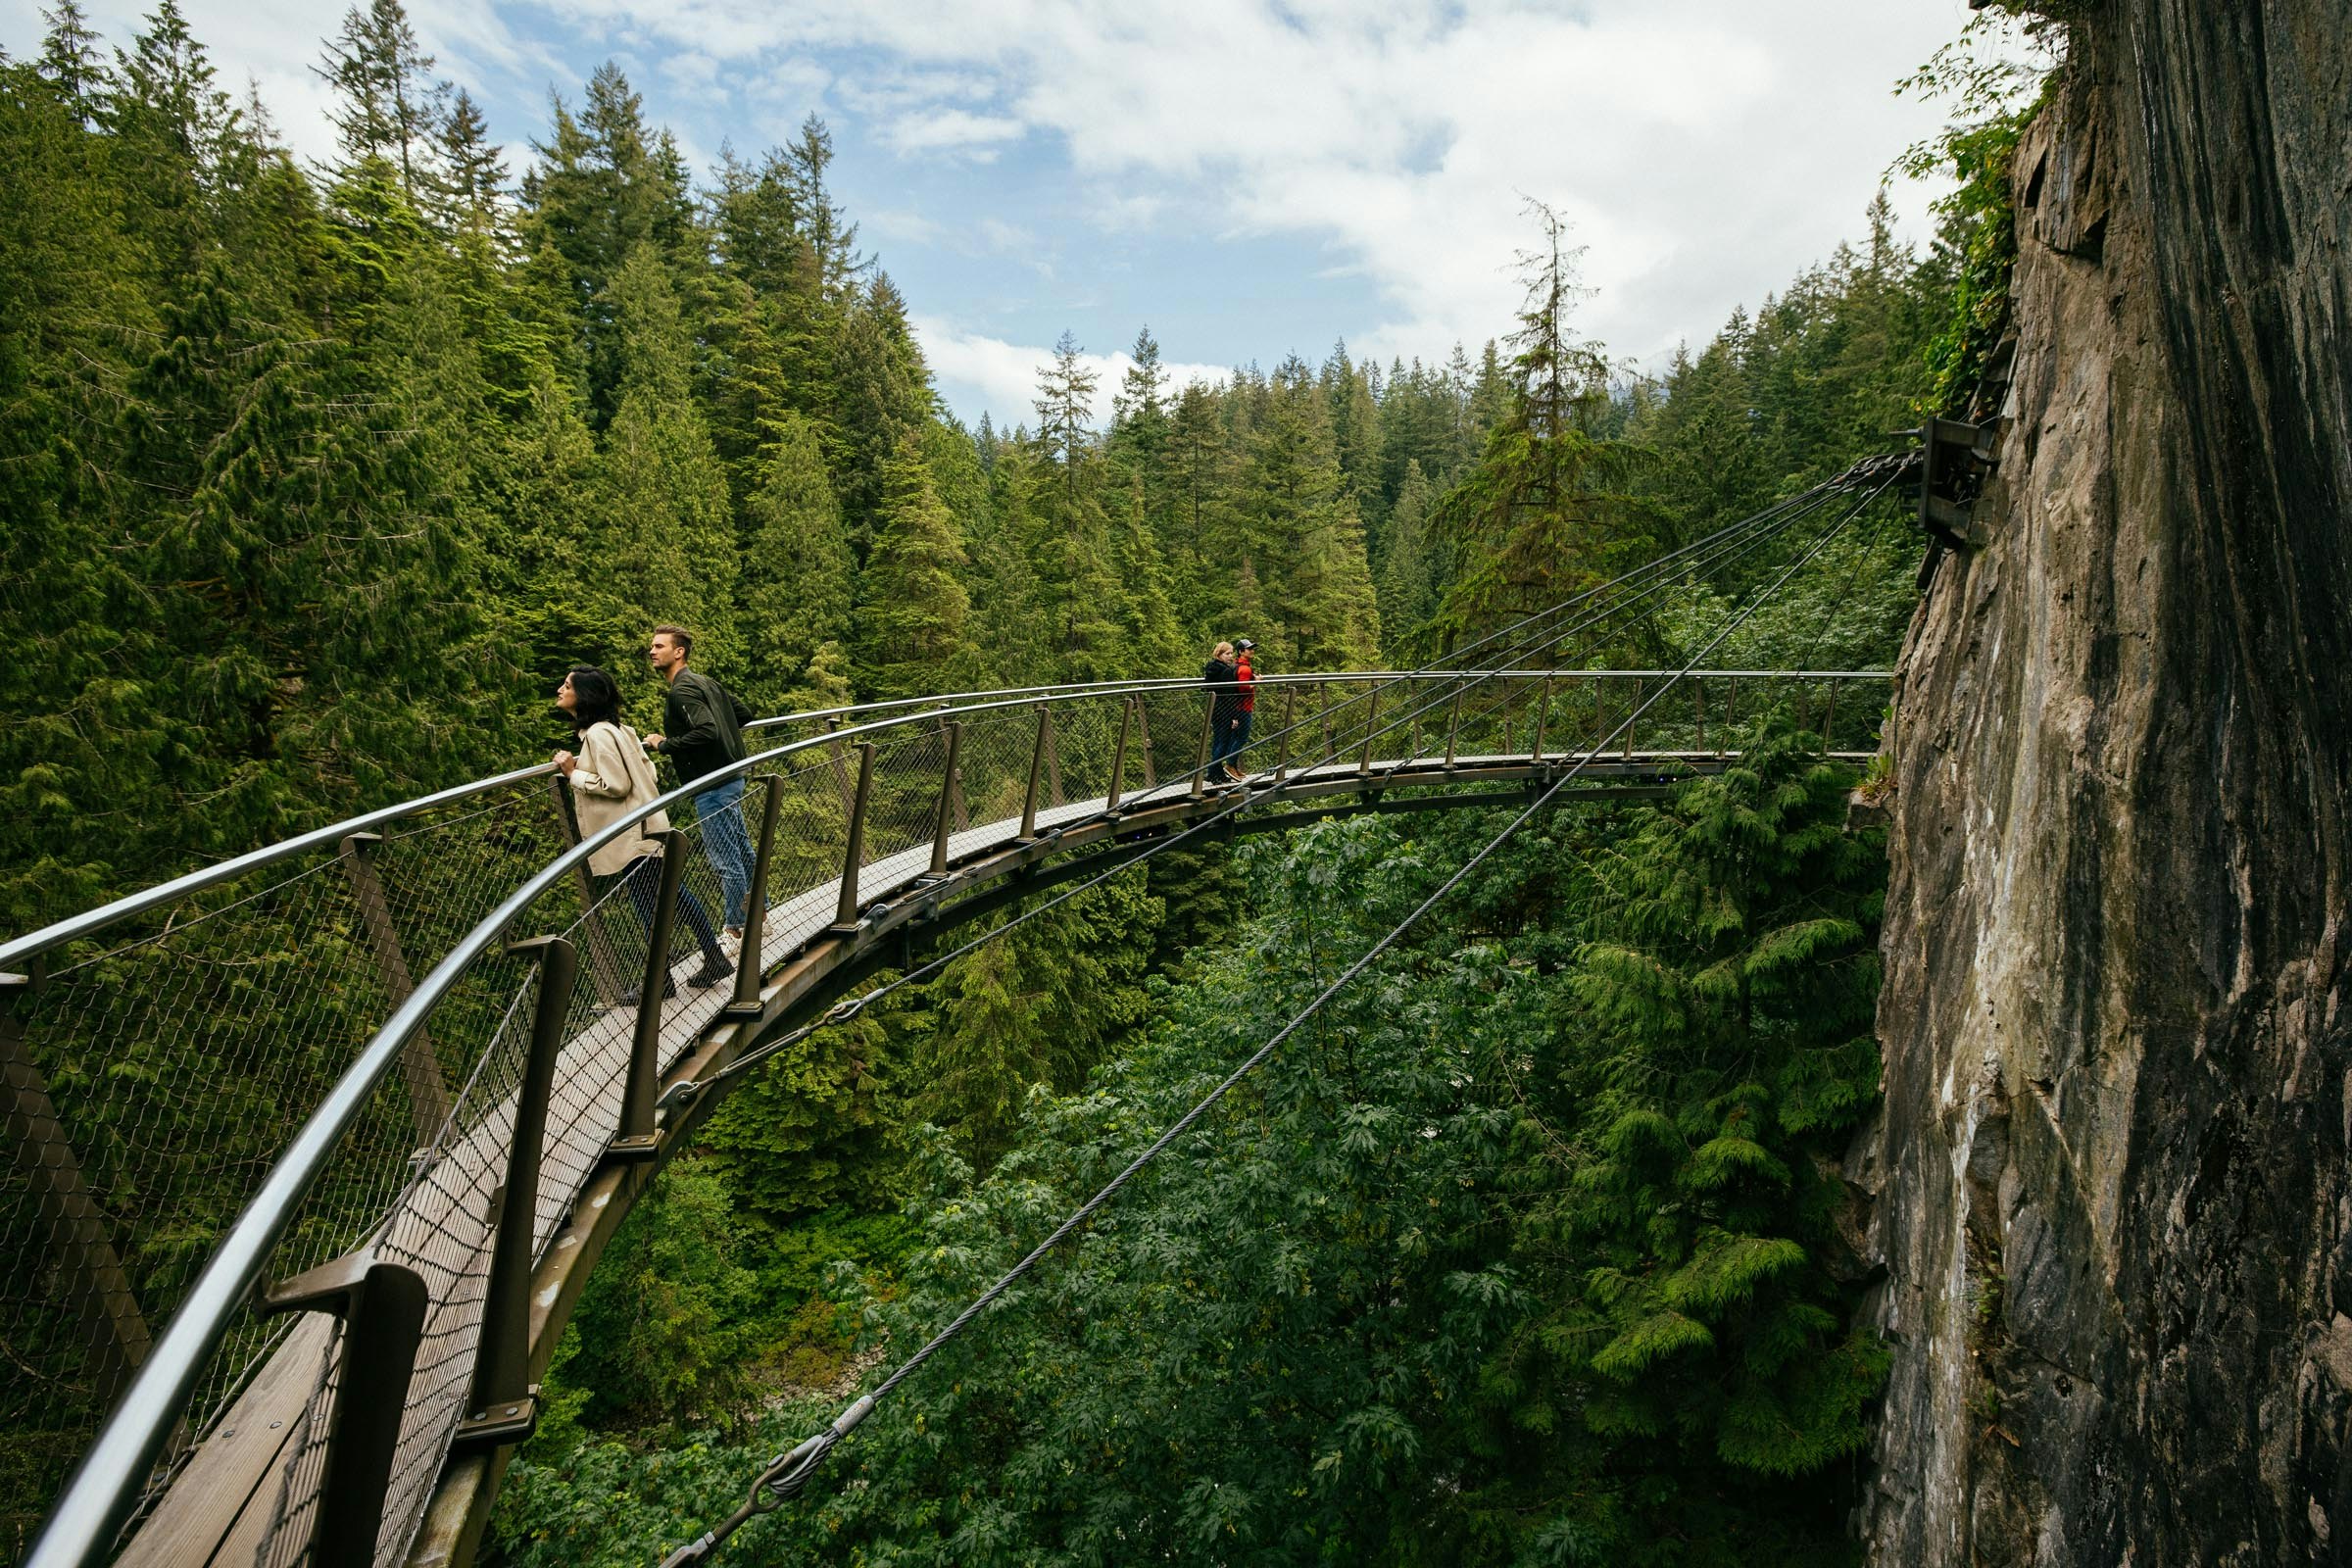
<point>815,1128</point>
<point>1545,513</point>
<point>660,1332</point>
<point>914,625</point>
<point>1524,1251</point>
<point>1994,77</point>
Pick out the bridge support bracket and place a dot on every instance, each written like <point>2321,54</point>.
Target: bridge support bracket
<point>499,1425</point>
<point>382,1307</point>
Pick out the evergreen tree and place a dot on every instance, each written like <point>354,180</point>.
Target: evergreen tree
<point>1066,516</point>
<point>472,175</point>
<point>882,398</point>
<point>71,65</point>
<point>1303,536</point>
<point>599,193</point>
<point>1201,474</point>
<point>1066,409</point>
<point>389,105</point>
<point>173,130</point>
<point>1408,585</point>
<point>832,238</point>
<point>1545,513</point>
<point>797,581</point>
<point>659,543</point>
<point>912,622</point>
<point>1356,435</point>
<point>1038,1009</point>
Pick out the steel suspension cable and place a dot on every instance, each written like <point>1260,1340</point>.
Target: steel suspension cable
<point>791,1473</point>
<point>842,1012</point>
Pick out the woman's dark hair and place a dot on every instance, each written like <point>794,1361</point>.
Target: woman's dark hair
<point>594,698</point>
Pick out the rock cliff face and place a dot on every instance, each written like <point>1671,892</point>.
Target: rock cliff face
<point>2112,1188</point>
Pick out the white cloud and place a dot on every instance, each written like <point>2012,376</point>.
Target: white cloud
<point>896,223</point>
<point>1002,377</point>
<point>1706,149</point>
<point>949,130</point>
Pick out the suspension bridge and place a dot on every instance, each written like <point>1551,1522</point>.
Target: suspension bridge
<point>312,1152</point>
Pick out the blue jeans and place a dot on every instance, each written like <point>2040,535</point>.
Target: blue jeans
<point>719,808</point>
<point>643,879</point>
<point>1232,734</point>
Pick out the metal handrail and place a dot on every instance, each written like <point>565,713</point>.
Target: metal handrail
<point>17,955</point>
<point>96,1499</point>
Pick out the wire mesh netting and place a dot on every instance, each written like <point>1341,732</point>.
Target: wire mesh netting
<point>156,1070</point>
<point>155,1075</point>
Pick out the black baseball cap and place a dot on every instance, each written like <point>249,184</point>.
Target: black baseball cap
<point>1244,645</point>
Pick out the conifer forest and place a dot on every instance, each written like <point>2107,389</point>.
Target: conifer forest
<point>316,477</point>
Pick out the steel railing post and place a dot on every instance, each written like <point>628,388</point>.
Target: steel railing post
<point>1118,754</point>
<point>86,1266</point>
<point>1208,732</point>
<point>946,825</point>
<point>504,1404</point>
<point>1829,717</point>
<point>749,964</point>
<point>1282,752</point>
<point>428,1094</point>
<point>1535,753</point>
<point>1049,745</point>
<point>1037,764</point>
<point>1453,727</point>
<point>1143,738</point>
<point>852,856</point>
<point>636,1137</point>
<point>1698,697</point>
<point>382,1307</point>
<point>1731,713</point>
<point>1363,762</point>
<point>1632,719</point>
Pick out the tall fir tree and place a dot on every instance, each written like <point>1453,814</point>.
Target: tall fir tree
<point>797,578</point>
<point>389,105</point>
<point>911,625</point>
<point>1547,509</point>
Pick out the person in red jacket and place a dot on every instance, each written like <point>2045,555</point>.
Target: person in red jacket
<point>1245,674</point>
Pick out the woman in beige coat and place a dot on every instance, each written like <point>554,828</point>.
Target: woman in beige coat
<point>611,779</point>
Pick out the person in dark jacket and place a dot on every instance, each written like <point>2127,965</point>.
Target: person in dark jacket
<point>1245,673</point>
<point>611,780</point>
<point>1222,678</point>
<point>701,732</point>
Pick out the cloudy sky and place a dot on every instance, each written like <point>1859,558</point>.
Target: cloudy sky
<point>1250,177</point>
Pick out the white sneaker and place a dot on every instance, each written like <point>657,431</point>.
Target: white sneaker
<point>730,941</point>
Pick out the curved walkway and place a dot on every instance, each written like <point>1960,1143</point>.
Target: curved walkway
<point>257,1487</point>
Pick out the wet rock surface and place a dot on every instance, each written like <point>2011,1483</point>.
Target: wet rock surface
<point>2110,1177</point>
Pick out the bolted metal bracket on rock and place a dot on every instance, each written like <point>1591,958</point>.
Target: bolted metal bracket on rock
<point>1954,461</point>
<point>1943,471</point>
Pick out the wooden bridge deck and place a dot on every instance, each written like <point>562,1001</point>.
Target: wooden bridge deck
<point>219,1508</point>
